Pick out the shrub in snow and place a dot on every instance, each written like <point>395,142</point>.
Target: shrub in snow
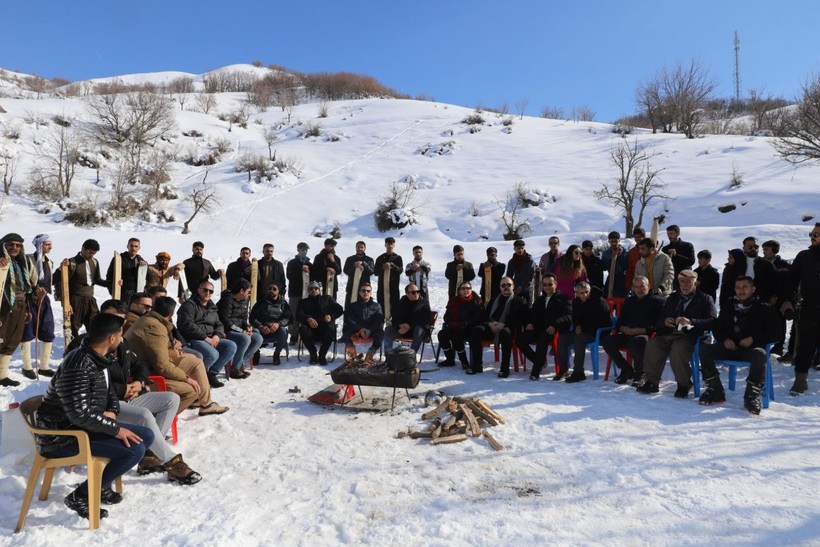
<point>395,209</point>
<point>510,207</point>
<point>474,119</point>
<point>528,197</point>
<point>192,133</point>
<point>311,130</point>
<point>441,149</point>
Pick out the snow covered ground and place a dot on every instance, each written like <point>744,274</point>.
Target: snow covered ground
<point>583,464</point>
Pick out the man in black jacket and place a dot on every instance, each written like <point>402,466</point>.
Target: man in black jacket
<point>594,268</point>
<point>79,397</point>
<point>234,312</point>
<point>317,315</point>
<point>198,269</point>
<point>708,276</point>
<point>589,313</point>
<point>411,319</point>
<point>502,320</point>
<point>198,322</point>
<point>327,267</point>
<point>363,319</point>
<point>270,269</point>
<point>741,333</point>
<point>458,271</point>
<point>639,314</point>
<point>298,274</point>
<point>238,269</point>
<point>361,263</point>
<point>130,261</point>
<point>388,264</point>
<point>495,269</point>
<point>272,315</point>
<point>550,316</point>
<point>681,252</point>
<point>83,275</point>
<point>804,275</point>
<point>686,314</point>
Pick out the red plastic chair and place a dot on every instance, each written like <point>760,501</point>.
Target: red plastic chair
<point>162,386</point>
<point>554,346</point>
<point>428,338</point>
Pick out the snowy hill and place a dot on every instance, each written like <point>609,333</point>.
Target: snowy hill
<point>585,464</point>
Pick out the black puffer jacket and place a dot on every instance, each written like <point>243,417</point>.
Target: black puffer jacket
<point>198,322</point>
<point>232,312</point>
<point>76,399</point>
<point>268,311</point>
<point>364,315</point>
<point>124,364</point>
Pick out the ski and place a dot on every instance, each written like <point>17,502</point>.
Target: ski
<point>66,305</point>
<point>305,283</point>
<point>387,311</point>
<point>488,283</point>
<point>142,274</point>
<point>183,283</point>
<point>4,273</point>
<point>611,280</point>
<point>329,283</point>
<point>254,282</point>
<point>357,279</point>
<point>116,289</point>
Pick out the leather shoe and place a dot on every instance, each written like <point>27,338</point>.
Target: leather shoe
<point>504,374</point>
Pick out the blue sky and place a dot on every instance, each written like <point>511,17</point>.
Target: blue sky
<point>564,54</point>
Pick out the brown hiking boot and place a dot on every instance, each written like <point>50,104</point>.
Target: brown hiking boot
<point>150,464</point>
<point>213,408</point>
<point>368,359</point>
<point>350,353</point>
<point>179,472</point>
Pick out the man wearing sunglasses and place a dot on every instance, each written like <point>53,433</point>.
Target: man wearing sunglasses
<point>317,315</point>
<point>364,319</point>
<point>411,319</point>
<point>272,315</point>
<point>198,322</point>
<point>502,318</point>
<point>805,275</point>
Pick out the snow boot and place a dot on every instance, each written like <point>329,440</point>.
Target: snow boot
<point>713,393</point>
<point>462,357</point>
<point>751,399</point>
<point>449,357</point>
<point>77,501</point>
<point>179,472</point>
<point>649,387</point>
<point>277,359</point>
<point>627,373</point>
<point>801,383</point>
<point>578,375</point>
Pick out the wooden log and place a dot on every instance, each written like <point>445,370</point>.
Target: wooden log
<point>495,444</point>
<point>478,412</point>
<point>472,423</point>
<point>420,434</point>
<point>436,432</point>
<point>431,413</point>
<point>486,408</point>
<point>452,406</point>
<point>450,439</point>
<point>435,424</point>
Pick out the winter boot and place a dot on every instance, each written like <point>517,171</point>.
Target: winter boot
<point>639,380</point>
<point>277,360</point>
<point>109,496</point>
<point>801,383</point>
<point>45,359</point>
<point>350,352</point>
<point>179,472</point>
<point>5,381</point>
<point>627,373</point>
<point>77,501</point>
<point>462,357</point>
<point>578,375</point>
<point>713,393</point>
<point>649,387</point>
<point>449,357</point>
<point>150,464</point>
<point>751,399</point>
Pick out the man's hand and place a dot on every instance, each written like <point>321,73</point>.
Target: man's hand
<point>110,415</point>
<point>729,344</point>
<point>119,282</point>
<point>143,263</point>
<point>63,263</point>
<point>5,261</point>
<point>328,318</point>
<point>550,330</point>
<point>194,384</point>
<point>273,328</point>
<point>672,252</point>
<point>213,341</point>
<point>331,272</point>
<point>459,267</point>
<point>305,268</point>
<point>404,328</point>
<point>127,436</point>
<point>132,390</point>
<point>747,342</point>
<point>386,266</point>
<point>312,323</point>
<point>177,345</point>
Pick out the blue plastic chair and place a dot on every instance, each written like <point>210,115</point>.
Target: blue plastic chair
<point>594,349</point>
<point>768,387</point>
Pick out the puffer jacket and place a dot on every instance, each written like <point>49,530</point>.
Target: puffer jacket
<point>364,315</point>
<point>268,311</point>
<point>124,364</point>
<point>198,322</point>
<point>151,339</point>
<point>232,312</point>
<point>76,399</point>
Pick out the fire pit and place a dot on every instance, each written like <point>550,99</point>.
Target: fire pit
<point>354,373</point>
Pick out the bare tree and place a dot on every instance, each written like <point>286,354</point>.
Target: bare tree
<point>582,113</point>
<point>270,138</point>
<point>206,102</point>
<point>552,112</point>
<point>520,107</point>
<point>637,182</point>
<point>8,168</point>
<point>510,208</point>
<point>801,129</point>
<point>57,160</point>
<point>649,98</point>
<point>203,199</point>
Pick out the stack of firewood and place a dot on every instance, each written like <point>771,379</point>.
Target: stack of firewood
<point>465,416</point>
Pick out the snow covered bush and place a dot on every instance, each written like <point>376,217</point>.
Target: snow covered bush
<point>396,208</point>
<point>528,197</point>
<point>474,119</point>
<point>441,149</point>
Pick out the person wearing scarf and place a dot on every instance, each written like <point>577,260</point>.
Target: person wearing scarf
<point>41,326</point>
<point>14,307</point>
<point>297,289</point>
<point>686,315</point>
<point>741,333</point>
<point>521,268</point>
<point>238,269</point>
<point>503,318</point>
<point>464,311</point>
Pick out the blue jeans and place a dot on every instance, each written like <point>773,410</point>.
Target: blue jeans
<point>122,457</point>
<point>215,358</point>
<point>278,338</point>
<point>246,346</point>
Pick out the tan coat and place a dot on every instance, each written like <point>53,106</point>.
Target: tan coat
<point>150,338</point>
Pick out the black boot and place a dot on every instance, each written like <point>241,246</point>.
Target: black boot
<point>713,393</point>
<point>462,357</point>
<point>578,375</point>
<point>801,383</point>
<point>648,387</point>
<point>449,357</point>
<point>751,399</point>
<point>276,357</point>
<point>77,501</point>
<point>213,380</point>
<point>627,373</point>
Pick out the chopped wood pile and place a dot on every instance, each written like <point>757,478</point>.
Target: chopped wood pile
<point>457,418</point>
